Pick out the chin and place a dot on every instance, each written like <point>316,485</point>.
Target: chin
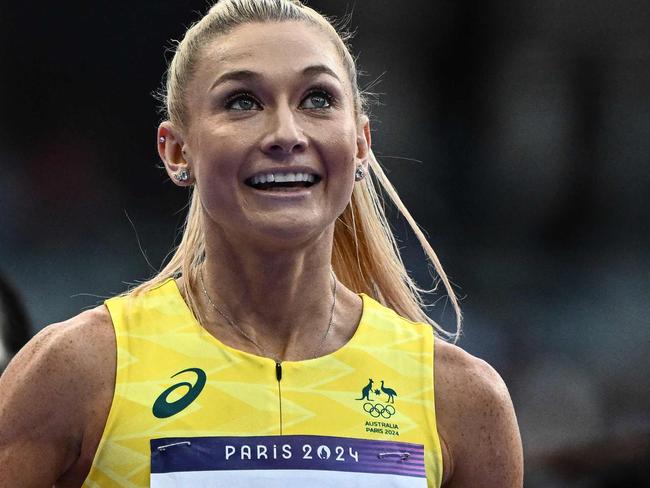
<point>290,232</point>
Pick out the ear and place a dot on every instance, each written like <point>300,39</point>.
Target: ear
<point>172,153</point>
<point>364,141</point>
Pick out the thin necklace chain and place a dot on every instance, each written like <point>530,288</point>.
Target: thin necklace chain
<point>234,325</point>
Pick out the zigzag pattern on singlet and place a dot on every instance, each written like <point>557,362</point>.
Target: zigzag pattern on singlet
<point>158,337</point>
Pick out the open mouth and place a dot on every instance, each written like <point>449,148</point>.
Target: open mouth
<point>282,181</point>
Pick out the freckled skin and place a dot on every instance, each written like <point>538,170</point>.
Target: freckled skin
<point>56,394</point>
<point>476,421</point>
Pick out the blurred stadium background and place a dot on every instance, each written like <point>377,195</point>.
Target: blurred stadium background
<point>517,133</point>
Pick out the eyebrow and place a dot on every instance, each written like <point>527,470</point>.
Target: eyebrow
<point>318,69</point>
<point>248,75</point>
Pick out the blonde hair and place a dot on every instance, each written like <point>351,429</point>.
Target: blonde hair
<point>365,255</point>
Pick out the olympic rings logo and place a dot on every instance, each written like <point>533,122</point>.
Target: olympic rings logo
<point>378,410</point>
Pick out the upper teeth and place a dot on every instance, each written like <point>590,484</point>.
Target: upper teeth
<point>282,178</point>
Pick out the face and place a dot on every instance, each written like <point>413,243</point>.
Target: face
<point>272,138</point>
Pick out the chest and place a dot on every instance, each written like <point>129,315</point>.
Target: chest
<point>252,396</point>
<point>230,413</point>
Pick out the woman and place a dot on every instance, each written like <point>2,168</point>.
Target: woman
<point>257,355</point>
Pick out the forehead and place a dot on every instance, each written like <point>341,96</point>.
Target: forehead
<point>272,47</point>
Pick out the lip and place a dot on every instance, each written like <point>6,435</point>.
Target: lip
<point>283,195</point>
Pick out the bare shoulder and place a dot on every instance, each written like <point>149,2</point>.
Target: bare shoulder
<point>78,344</point>
<point>476,421</point>
<point>52,392</point>
<point>462,375</point>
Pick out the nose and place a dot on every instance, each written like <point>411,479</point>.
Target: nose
<point>284,135</point>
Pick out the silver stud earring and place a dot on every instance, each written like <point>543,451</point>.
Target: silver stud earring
<point>359,174</point>
<point>162,139</point>
<point>182,175</point>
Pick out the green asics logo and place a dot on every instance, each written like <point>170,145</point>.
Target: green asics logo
<point>163,409</point>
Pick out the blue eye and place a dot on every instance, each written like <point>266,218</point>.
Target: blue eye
<point>242,102</point>
<point>317,99</point>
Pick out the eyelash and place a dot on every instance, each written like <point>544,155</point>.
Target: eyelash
<point>331,99</point>
<point>240,96</point>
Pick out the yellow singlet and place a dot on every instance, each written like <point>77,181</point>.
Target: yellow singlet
<point>190,411</point>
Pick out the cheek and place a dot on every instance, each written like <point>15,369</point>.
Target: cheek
<point>215,162</point>
<point>340,148</point>
<point>216,156</point>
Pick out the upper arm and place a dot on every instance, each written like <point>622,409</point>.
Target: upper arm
<point>477,421</point>
<point>44,395</point>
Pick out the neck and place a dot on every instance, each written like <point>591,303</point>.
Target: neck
<point>279,302</point>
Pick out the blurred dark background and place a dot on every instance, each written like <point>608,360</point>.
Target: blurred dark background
<point>517,133</point>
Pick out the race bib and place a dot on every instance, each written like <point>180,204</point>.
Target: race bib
<point>292,461</point>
